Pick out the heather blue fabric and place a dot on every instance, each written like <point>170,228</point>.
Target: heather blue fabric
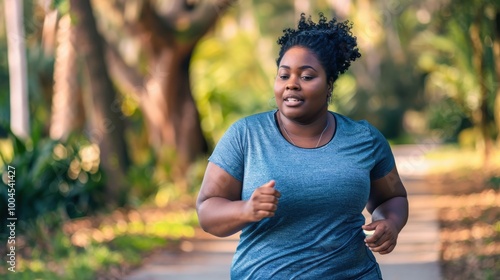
<point>316,232</point>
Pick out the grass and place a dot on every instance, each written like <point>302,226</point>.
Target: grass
<point>469,213</point>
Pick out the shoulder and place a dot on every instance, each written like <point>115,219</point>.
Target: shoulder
<point>259,117</point>
<point>347,123</point>
<point>357,127</point>
<point>249,125</point>
<point>256,120</point>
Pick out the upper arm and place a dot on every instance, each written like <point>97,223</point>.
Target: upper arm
<point>218,183</point>
<point>385,188</point>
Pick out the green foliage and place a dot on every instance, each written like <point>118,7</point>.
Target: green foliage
<point>94,247</point>
<point>51,176</point>
<point>65,261</point>
<point>494,182</point>
<point>61,5</point>
<point>446,56</point>
<point>229,82</point>
<point>4,82</point>
<point>447,119</point>
<point>138,243</point>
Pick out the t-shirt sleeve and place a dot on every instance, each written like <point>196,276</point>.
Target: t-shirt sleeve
<point>229,151</point>
<point>384,159</point>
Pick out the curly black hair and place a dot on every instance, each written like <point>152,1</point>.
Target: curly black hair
<point>331,41</point>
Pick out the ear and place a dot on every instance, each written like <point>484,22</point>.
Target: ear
<point>329,88</point>
<point>330,85</point>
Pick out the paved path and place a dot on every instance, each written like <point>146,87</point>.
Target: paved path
<point>415,257</point>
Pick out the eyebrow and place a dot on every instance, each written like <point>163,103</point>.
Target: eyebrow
<point>301,67</point>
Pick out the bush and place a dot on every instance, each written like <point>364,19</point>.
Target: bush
<point>49,176</point>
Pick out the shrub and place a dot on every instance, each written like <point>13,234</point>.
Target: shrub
<point>50,176</point>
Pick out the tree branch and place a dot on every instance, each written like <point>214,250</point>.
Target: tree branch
<point>205,16</point>
<point>153,23</point>
<point>187,24</point>
<point>122,73</point>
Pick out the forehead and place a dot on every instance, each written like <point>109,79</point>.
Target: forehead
<point>299,56</point>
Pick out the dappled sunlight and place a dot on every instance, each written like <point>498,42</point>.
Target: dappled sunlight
<point>81,238</point>
<point>486,198</point>
<point>149,222</point>
<point>164,196</point>
<point>470,233</point>
<point>478,231</point>
<point>90,158</point>
<point>452,159</point>
<point>468,246</point>
<point>461,250</point>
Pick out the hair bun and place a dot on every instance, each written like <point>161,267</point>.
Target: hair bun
<point>332,41</point>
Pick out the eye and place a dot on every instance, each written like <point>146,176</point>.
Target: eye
<point>283,76</point>
<point>307,78</point>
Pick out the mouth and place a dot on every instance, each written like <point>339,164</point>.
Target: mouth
<point>293,101</point>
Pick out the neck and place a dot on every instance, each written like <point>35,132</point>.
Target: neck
<point>305,135</point>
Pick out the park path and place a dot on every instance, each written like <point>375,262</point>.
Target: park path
<point>416,256</point>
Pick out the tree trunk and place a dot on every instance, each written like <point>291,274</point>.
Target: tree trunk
<point>67,110</point>
<point>170,108</point>
<point>165,96</point>
<point>481,113</point>
<point>496,54</point>
<point>49,29</point>
<point>341,8</point>
<point>167,103</point>
<point>19,109</point>
<point>107,128</point>
<point>301,6</point>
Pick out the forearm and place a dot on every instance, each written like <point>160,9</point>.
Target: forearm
<point>394,209</point>
<point>221,217</point>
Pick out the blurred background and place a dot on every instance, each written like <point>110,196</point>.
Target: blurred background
<point>109,110</point>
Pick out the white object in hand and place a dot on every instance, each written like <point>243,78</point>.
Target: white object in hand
<point>368,233</point>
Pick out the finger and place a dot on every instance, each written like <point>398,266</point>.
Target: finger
<point>374,242</point>
<point>265,214</point>
<point>268,199</point>
<point>267,206</point>
<point>270,184</point>
<point>386,248</point>
<point>369,227</point>
<point>383,245</point>
<point>269,191</point>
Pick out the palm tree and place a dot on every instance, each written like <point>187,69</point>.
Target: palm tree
<point>19,113</point>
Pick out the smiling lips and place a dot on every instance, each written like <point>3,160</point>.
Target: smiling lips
<point>293,101</point>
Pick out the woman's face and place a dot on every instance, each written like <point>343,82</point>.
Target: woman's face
<point>301,88</point>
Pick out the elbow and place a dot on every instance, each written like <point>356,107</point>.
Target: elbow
<point>213,230</point>
<point>208,225</point>
<point>374,204</point>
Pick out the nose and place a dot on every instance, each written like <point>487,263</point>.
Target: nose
<point>292,85</point>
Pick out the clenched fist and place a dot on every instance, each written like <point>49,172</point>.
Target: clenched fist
<point>263,202</point>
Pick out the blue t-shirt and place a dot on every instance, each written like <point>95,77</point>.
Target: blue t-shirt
<point>316,231</point>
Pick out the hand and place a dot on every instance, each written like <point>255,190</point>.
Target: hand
<point>384,238</point>
<point>263,202</point>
